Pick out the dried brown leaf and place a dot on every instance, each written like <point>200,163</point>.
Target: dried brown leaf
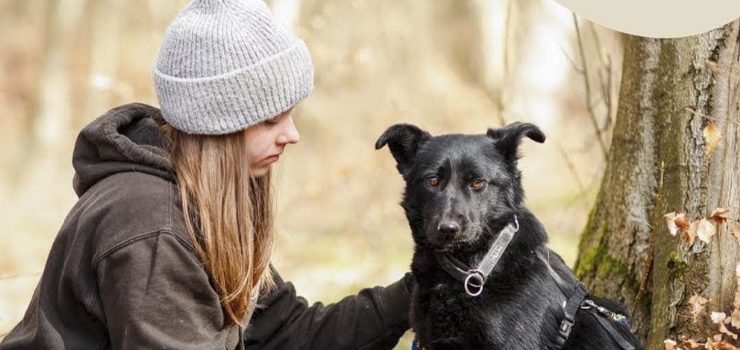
<point>719,215</point>
<point>736,230</point>
<point>691,344</point>
<point>681,221</point>
<point>705,231</point>
<point>697,305</point>
<point>735,318</point>
<point>669,344</point>
<point>718,317</point>
<point>688,236</point>
<point>712,137</point>
<point>726,331</point>
<point>670,221</point>
<point>722,344</point>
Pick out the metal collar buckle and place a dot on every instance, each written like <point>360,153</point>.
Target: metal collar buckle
<point>475,279</point>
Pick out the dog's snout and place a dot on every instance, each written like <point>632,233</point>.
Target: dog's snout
<point>448,228</point>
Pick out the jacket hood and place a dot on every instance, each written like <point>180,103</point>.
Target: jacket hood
<point>125,139</point>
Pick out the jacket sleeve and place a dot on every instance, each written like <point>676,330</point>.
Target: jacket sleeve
<point>374,319</point>
<point>156,295</point>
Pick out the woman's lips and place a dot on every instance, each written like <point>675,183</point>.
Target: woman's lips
<point>272,159</point>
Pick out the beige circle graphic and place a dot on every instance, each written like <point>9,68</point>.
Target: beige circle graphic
<point>657,18</point>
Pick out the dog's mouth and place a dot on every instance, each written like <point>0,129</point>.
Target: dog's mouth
<point>452,245</point>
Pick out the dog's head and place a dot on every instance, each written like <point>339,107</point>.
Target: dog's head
<point>456,185</point>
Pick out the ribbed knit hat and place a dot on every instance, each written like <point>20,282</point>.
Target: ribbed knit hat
<point>225,65</point>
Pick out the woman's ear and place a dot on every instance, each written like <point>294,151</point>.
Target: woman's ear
<point>508,138</point>
<point>404,140</point>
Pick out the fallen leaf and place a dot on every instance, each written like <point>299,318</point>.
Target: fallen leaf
<point>726,331</point>
<point>736,230</point>
<point>670,221</point>
<point>681,221</point>
<point>697,305</point>
<point>688,236</point>
<point>706,230</point>
<point>691,344</point>
<point>735,318</point>
<point>712,137</point>
<point>718,317</point>
<point>719,215</point>
<point>669,344</point>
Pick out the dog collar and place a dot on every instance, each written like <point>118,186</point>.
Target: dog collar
<point>474,278</point>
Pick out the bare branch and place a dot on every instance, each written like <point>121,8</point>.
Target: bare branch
<point>499,100</point>
<point>604,69</point>
<point>591,111</point>
<point>572,63</point>
<point>572,168</point>
<point>694,112</point>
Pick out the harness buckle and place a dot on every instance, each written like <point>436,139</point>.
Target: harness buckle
<point>475,279</point>
<point>564,331</point>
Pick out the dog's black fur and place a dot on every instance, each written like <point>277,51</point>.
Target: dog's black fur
<point>521,304</point>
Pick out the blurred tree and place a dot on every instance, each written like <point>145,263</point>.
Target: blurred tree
<point>52,119</point>
<point>660,162</point>
<point>104,56</point>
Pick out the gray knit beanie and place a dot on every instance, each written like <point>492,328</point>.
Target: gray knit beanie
<point>225,65</point>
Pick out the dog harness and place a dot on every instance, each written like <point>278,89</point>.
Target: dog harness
<point>474,279</point>
<point>577,298</point>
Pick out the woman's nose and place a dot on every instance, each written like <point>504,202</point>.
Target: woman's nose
<point>289,133</point>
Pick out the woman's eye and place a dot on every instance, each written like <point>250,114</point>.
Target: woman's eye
<point>433,180</point>
<point>272,121</point>
<point>477,184</point>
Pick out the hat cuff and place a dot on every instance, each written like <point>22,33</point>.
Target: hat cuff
<point>236,100</point>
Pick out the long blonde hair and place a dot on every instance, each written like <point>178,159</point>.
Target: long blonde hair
<point>228,214</point>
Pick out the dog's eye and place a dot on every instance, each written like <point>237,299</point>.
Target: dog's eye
<point>433,180</point>
<point>477,184</point>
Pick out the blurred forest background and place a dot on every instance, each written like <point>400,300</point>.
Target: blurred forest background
<point>448,66</point>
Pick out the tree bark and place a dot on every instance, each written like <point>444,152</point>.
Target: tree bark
<point>657,164</point>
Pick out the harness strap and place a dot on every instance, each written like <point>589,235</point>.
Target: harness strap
<point>609,328</point>
<point>578,299</point>
<point>570,309</point>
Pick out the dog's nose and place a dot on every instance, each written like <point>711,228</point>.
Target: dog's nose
<point>448,228</point>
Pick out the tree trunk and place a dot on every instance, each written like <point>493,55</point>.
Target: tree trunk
<point>671,90</point>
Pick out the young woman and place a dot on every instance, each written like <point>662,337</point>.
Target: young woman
<point>169,245</point>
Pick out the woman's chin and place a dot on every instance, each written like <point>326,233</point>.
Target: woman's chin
<point>260,171</point>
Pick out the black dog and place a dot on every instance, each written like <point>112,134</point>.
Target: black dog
<point>463,201</point>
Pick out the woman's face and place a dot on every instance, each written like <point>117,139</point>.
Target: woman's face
<point>266,141</point>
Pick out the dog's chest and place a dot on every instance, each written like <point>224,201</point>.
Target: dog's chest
<point>446,316</point>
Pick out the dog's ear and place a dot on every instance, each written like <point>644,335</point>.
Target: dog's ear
<point>403,140</point>
<point>509,137</point>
